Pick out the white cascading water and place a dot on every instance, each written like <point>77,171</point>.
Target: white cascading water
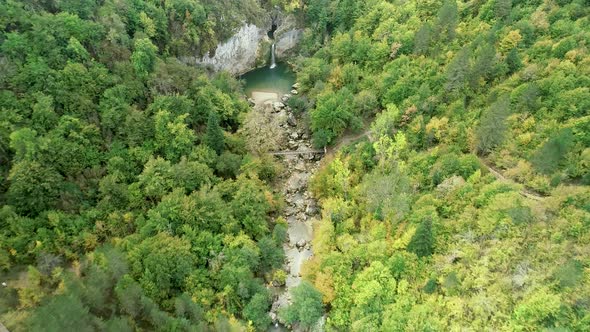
<point>273,63</point>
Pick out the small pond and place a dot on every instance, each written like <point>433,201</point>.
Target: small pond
<point>268,83</point>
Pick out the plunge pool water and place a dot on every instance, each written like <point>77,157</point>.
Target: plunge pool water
<point>264,83</point>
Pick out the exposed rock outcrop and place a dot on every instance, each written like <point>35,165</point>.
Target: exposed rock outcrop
<point>250,46</point>
<point>238,54</point>
<point>287,36</point>
<point>287,42</point>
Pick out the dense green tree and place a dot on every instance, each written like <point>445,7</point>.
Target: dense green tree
<point>422,243</point>
<point>483,66</point>
<point>551,154</point>
<point>423,39</point>
<point>306,308</point>
<point>172,135</point>
<point>492,127</point>
<point>214,136</point>
<point>447,19</point>
<point>502,8</point>
<point>458,70</point>
<point>25,144</point>
<point>331,116</point>
<point>257,311</point>
<point>144,56</point>
<point>161,264</point>
<point>33,187</point>
<point>63,312</point>
<point>513,61</point>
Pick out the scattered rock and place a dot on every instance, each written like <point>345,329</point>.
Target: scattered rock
<point>273,317</point>
<point>294,135</point>
<point>297,182</point>
<point>274,307</point>
<point>311,209</point>
<point>301,244</point>
<point>291,120</point>
<point>267,106</point>
<point>300,166</point>
<point>298,202</point>
<point>289,211</point>
<point>301,216</point>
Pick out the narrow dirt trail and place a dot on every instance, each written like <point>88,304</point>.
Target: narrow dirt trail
<point>500,177</point>
<point>347,139</point>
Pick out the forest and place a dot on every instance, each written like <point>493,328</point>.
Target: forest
<point>131,198</point>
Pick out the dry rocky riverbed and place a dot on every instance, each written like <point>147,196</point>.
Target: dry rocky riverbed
<point>301,208</point>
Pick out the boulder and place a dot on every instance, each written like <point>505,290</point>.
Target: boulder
<point>300,166</point>
<point>298,202</point>
<point>294,92</point>
<point>282,116</point>
<point>311,209</point>
<point>296,86</point>
<point>268,105</point>
<point>297,182</point>
<point>301,216</point>
<point>277,105</point>
<point>294,135</point>
<point>291,120</point>
<point>289,211</point>
<point>301,244</point>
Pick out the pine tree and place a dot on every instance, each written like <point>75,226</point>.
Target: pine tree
<point>483,66</point>
<point>422,39</point>
<point>214,138</point>
<point>447,19</point>
<point>502,8</point>
<point>422,243</point>
<point>513,61</point>
<point>458,71</point>
<point>492,125</point>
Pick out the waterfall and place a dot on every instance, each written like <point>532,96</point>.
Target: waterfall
<point>273,62</point>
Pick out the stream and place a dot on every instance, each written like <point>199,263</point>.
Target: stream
<point>269,90</point>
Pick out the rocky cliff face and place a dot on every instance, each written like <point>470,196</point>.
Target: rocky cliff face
<point>287,42</point>
<point>287,36</point>
<point>250,46</point>
<point>238,54</point>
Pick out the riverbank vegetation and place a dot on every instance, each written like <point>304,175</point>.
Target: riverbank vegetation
<point>417,233</point>
<point>128,199</point>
